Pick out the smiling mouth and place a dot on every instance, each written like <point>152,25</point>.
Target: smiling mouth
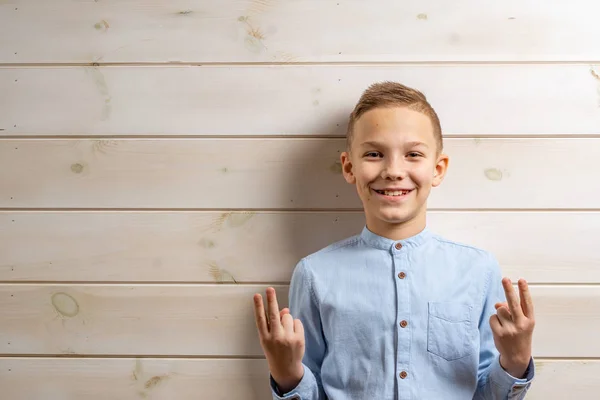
<point>393,193</point>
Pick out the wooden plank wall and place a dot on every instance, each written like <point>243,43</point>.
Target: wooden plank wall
<point>160,162</point>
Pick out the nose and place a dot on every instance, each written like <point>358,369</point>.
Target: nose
<point>394,169</point>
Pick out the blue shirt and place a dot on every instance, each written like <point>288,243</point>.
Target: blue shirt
<point>405,319</point>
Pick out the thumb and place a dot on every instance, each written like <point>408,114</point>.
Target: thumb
<point>299,329</point>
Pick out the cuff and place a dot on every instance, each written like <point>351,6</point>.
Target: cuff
<point>303,390</point>
<point>504,380</point>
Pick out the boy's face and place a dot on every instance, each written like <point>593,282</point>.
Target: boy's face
<point>394,163</point>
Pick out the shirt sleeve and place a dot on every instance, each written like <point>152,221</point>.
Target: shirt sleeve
<point>493,382</point>
<point>304,306</point>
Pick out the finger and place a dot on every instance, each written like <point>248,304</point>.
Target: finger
<point>298,327</point>
<point>495,324</point>
<point>259,316</point>
<point>511,297</point>
<point>498,305</point>
<point>273,310</point>
<point>504,316</point>
<point>288,323</point>
<point>283,312</point>
<point>526,301</point>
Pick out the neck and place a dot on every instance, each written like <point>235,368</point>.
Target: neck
<point>397,231</point>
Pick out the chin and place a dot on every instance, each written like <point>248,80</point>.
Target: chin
<point>395,217</point>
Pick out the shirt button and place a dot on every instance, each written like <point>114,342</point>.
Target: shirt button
<point>403,374</point>
<point>403,324</point>
<point>398,246</point>
<point>401,275</point>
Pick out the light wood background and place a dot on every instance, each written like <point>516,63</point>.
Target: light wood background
<point>161,162</point>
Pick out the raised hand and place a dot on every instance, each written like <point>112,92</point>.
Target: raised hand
<point>512,326</point>
<point>282,341</point>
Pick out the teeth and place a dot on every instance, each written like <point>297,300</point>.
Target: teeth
<point>395,193</point>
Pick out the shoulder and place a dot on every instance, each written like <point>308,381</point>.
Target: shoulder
<point>476,258</point>
<point>334,249</point>
<point>468,250</point>
<point>316,270</point>
<point>328,255</point>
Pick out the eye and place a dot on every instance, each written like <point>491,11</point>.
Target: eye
<point>373,154</point>
<point>414,154</point>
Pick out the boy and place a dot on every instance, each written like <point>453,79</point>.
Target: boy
<point>396,311</point>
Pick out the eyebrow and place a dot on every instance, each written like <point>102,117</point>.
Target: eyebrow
<point>381,144</point>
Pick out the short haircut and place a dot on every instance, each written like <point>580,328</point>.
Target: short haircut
<point>392,94</point>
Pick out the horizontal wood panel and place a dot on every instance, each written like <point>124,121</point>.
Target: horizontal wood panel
<point>133,379</point>
<point>182,379</point>
<point>218,320</point>
<point>271,31</point>
<point>284,100</point>
<point>282,173</point>
<point>159,320</point>
<point>542,247</point>
<point>564,379</point>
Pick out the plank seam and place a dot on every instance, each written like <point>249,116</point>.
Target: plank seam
<point>230,64</point>
<point>215,357</point>
<point>448,136</point>
<point>130,356</point>
<point>164,284</point>
<point>287,210</point>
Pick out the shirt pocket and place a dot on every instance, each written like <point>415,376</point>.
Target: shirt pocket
<point>449,330</point>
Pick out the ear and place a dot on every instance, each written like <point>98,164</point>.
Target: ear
<point>347,168</point>
<point>439,172</point>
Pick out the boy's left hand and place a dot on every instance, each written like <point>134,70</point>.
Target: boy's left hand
<point>512,327</point>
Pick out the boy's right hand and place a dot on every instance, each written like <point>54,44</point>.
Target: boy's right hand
<point>282,340</point>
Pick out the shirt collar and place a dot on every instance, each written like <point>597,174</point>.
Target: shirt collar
<point>381,242</point>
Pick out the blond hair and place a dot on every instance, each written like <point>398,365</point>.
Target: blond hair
<point>390,94</point>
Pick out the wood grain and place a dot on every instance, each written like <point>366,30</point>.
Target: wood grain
<point>536,99</point>
<point>228,247</point>
<point>282,173</point>
<point>298,31</point>
<point>218,320</point>
<point>183,379</point>
<point>133,379</point>
<point>146,292</point>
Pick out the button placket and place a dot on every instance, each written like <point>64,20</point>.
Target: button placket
<point>403,308</point>
<point>401,274</point>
